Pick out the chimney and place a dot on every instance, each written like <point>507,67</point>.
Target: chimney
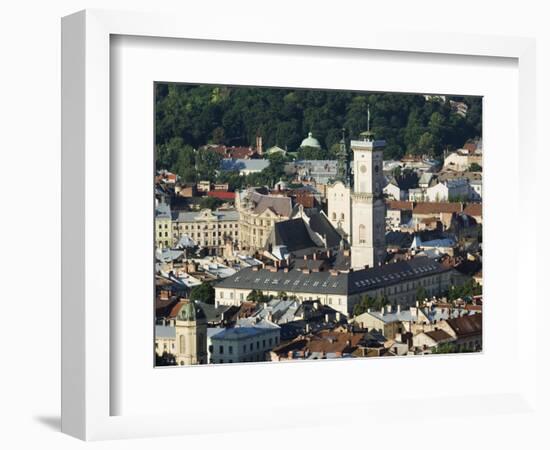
<point>315,256</point>
<point>388,308</point>
<point>259,145</point>
<point>398,308</point>
<point>307,328</point>
<point>382,310</point>
<point>327,320</point>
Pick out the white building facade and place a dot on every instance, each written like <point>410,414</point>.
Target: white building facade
<point>339,208</point>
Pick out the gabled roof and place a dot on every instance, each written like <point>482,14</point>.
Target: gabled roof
<point>467,326</point>
<point>280,205</point>
<point>439,335</point>
<point>291,233</point>
<point>319,223</point>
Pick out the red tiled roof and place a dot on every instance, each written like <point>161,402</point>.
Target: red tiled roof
<point>473,209</point>
<point>395,204</point>
<point>222,195</point>
<point>437,208</point>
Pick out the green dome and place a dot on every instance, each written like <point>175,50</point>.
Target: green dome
<point>310,141</point>
<point>190,311</point>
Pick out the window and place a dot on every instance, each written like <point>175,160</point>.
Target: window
<point>258,345</point>
<point>244,348</point>
<point>230,349</point>
<point>342,216</point>
<point>251,346</point>
<point>333,216</point>
<point>221,349</point>
<point>263,343</point>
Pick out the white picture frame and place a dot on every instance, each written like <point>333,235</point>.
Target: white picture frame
<point>87,383</point>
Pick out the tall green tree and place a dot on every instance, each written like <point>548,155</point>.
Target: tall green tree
<point>203,292</point>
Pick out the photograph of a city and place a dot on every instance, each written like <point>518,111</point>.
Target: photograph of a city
<point>303,224</point>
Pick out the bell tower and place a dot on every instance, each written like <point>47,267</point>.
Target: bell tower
<point>368,247</point>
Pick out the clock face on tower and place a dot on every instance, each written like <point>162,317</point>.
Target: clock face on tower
<point>363,168</point>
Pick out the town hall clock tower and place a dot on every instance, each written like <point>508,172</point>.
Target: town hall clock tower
<point>368,247</point>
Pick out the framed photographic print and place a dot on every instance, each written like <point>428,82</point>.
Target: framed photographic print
<point>289,217</point>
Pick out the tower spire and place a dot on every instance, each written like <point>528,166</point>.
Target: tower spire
<point>368,118</point>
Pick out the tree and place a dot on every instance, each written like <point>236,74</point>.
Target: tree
<point>466,290</point>
<point>185,164</point>
<point>166,359</point>
<point>207,164</point>
<point>203,292</point>
<point>198,114</point>
<point>210,203</point>
<point>257,296</point>
<point>421,293</point>
<point>475,167</point>
<point>445,348</point>
<point>368,302</point>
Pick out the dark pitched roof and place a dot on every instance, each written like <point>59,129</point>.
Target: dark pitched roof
<point>322,226</point>
<point>292,233</point>
<point>466,326</point>
<point>399,239</point>
<point>439,335</point>
<point>350,283</point>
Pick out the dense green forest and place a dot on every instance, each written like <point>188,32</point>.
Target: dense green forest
<point>189,116</point>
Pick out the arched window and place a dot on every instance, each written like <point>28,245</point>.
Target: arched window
<point>341,216</point>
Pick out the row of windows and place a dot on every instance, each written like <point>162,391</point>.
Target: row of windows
<point>214,234</point>
<point>205,227</point>
<point>250,347</point>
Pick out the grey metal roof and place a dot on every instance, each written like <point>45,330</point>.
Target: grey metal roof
<point>220,215</point>
<point>164,331</point>
<point>324,282</point>
<point>244,164</point>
